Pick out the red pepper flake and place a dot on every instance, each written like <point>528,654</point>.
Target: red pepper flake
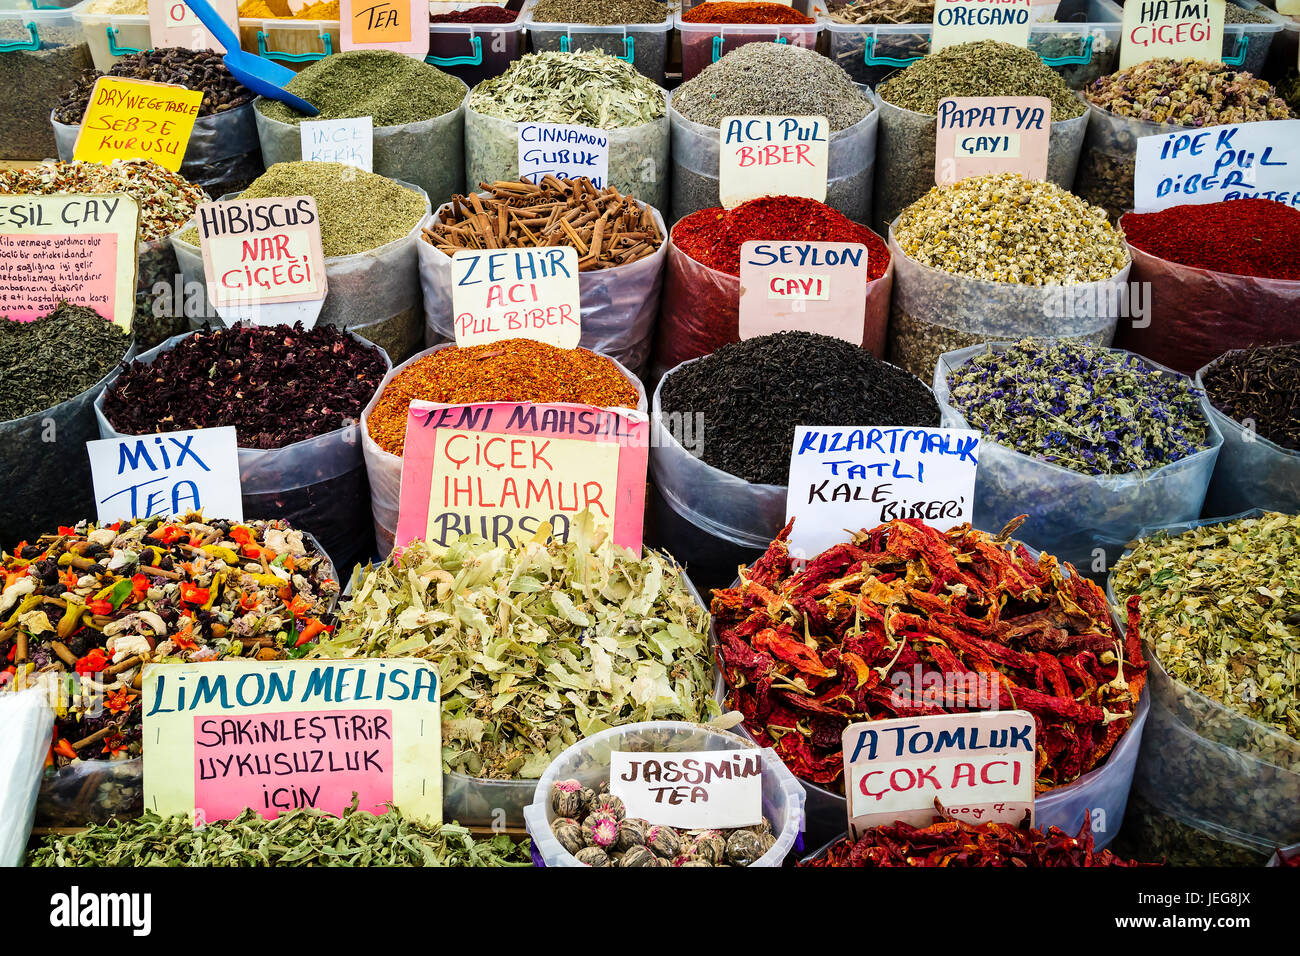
<point>1244,237</point>
<point>726,11</point>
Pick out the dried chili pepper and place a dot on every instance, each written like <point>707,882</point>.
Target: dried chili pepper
<point>872,626</point>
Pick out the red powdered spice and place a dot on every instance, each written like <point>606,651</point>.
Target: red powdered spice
<point>713,236</point>
<point>1245,237</point>
<point>488,13</point>
<point>725,11</point>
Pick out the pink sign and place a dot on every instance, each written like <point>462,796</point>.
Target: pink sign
<point>276,762</point>
<point>803,286</point>
<point>503,469</point>
<point>985,135</point>
<point>398,25</point>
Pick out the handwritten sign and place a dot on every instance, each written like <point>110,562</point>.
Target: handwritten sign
<point>803,286</point>
<point>347,141</point>
<point>1244,161</point>
<point>173,24</point>
<point>502,470</point>
<point>966,21</point>
<point>565,151</point>
<point>517,294</point>
<point>1171,28</point>
<point>262,259</point>
<point>137,119</point>
<point>985,135</point>
<point>979,766</point>
<point>851,477</point>
<point>140,476</point>
<point>772,156</point>
<point>222,736</point>
<point>69,246</point>
<point>708,789</point>
<point>398,25</point>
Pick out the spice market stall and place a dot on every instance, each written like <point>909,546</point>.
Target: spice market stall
<point>712,29</point>
<point>635,31</point>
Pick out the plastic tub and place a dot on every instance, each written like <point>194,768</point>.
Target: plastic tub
<point>706,43</point>
<point>427,152</point>
<point>1251,471</point>
<point>1071,515</point>
<point>588,761</point>
<point>112,36</point>
<point>42,53</point>
<point>852,161</point>
<point>643,45</point>
<point>935,311</point>
<point>906,157</point>
<point>1246,45</point>
<point>619,305</point>
<point>475,51</point>
<point>385,469</point>
<point>291,43</point>
<point>1198,313</point>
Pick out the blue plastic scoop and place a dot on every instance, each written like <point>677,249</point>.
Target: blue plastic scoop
<point>257,73</point>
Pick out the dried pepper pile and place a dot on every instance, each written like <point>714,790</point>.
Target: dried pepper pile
<point>959,844</point>
<point>807,653</point>
<point>103,602</point>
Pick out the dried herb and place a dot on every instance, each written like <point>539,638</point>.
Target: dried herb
<point>485,13</point>
<point>599,12</point>
<point>806,653</point>
<point>52,358</point>
<point>1155,835</point>
<point>590,88</point>
<point>753,393</point>
<point>31,81</point>
<point>1187,93</point>
<point>307,837</point>
<point>1261,386</point>
<point>537,645</point>
<point>193,69</point>
<point>882,11</point>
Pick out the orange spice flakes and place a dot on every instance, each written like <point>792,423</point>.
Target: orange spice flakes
<point>512,370</point>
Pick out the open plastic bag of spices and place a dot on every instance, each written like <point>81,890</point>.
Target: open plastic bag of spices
<point>427,153</point>
<point>28,723</point>
<point>905,157</point>
<point>222,156</point>
<point>1079,518</point>
<point>91,791</point>
<point>1251,471</point>
<point>385,469</point>
<point>375,294</point>
<point>1109,158</point>
<point>619,305</point>
<point>852,164</point>
<point>318,485</point>
<point>934,312</point>
<point>638,155</point>
<point>42,53</point>
<point>1197,313</point>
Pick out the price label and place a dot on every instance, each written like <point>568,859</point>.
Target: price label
<point>398,25</point>
<point>141,476</point>
<point>73,247</point>
<point>1172,28</point>
<point>967,21</point>
<point>517,294</point>
<point>849,477</point>
<point>347,141</point>
<point>137,119</point>
<point>708,789</point>
<point>772,156</point>
<point>173,24</point>
<point>504,469</point>
<point>262,259</point>
<point>985,135</point>
<point>979,766</point>
<point>565,151</point>
<point>275,736</point>
<point>1242,161</point>
<point>803,286</point>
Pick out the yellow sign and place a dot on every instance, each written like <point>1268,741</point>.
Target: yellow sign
<point>137,119</point>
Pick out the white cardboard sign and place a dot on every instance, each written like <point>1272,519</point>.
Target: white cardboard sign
<point>966,21</point>
<point>806,286</point>
<point>516,294</point>
<point>140,476</point>
<point>172,23</point>
<point>1177,29</point>
<point>852,477</point>
<point>565,151</point>
<point>347,141</point>
<point>1242,161</point>
<point>712,789</point>
<point>772,156</point>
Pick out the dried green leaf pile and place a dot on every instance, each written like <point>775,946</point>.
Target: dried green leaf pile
<point>538,645</point>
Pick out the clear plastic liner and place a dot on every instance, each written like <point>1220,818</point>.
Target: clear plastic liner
<point>588,761</point>
<point>91,791</point>
<point>1198,313</point>
<point>638,155</point>
<point>42,52</point>
<point>318,485</point>
<point>385,469</point>
<point>28,722</point>
<point>1251,471</point>
<point>852,163</point>
<point>701,312</point>
<point>619,305</point>
<point>905,157</point>
<point>427,153</point>
<point>935,311</point>
<point>1072,515</point>
<point>1109,158</point>
<point>1156,834</point>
